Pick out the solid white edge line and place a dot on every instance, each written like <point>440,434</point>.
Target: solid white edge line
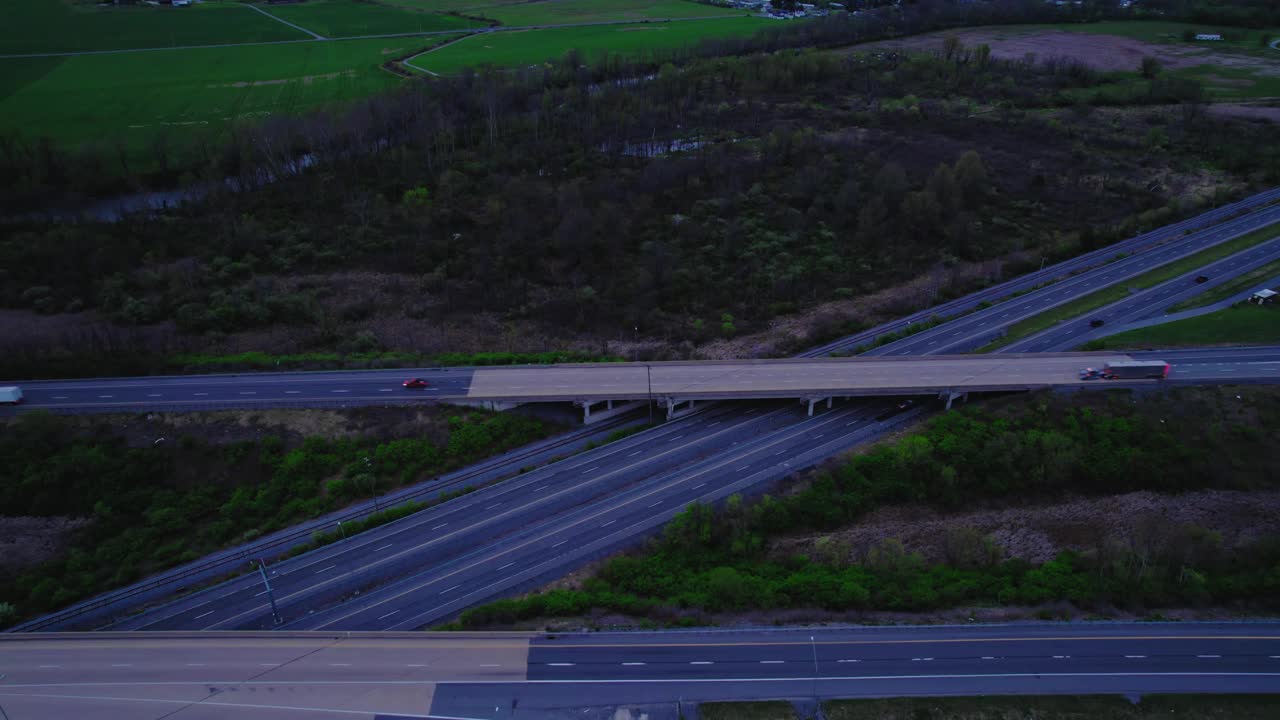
<point>214,703</point>
<point>867,678</point>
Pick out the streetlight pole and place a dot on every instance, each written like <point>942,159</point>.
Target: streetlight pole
<point>271,595</point>
<point>342,530</point>
<point>813,644</point>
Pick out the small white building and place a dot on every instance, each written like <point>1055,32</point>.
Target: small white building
<point>1263,297</point>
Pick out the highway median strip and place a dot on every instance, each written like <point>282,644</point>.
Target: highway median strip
<point>1119,291</point>
<point>1240,283</point>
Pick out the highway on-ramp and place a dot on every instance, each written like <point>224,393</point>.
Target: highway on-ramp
<point>524,675</point>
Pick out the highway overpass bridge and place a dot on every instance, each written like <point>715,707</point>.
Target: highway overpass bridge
<point>680,385</point>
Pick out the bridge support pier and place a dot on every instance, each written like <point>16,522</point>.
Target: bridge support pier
<point>592,413</point>
<point>815,401</point>
<point>950,396</point>
<point>674,411</point>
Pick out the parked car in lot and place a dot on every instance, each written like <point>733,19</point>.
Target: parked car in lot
<point>416,383</point>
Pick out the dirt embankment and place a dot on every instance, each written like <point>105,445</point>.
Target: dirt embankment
<point>1108,53</point>
<point>1038,533</point>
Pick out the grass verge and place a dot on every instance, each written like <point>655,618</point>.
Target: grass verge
<point>1240,325</point>
<point>1058,707</point>
<point>1106,296</point>
<point>1227,289</point>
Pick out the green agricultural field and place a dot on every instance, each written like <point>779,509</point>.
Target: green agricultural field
<point>465,7</point>
<point>519,48</point>
<point>45,26</point>
<point>561,12</point>
<point>348,18</point>
<point>131,98</point>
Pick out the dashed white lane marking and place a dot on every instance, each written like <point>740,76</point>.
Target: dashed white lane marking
<point>711,425</point>
<point>591,469</point>
<point>504,567</point>
<point>384,547</point>
<point>339,391</point>
<point>195,664</point>
<point>323,569</point>
<point>106,396</point>
<point>988,657</point>
<point>385,390</point>
<point>772,662</point>
<point>544,487</point>
<point>292,392</point>
<point>701,662</point>
<point>560,664</point>
<point>655,504</point>
<point>199,394</point>
<point>609,523</point>
<point>921,659</point>
<point>675,438</point>
<point>155,395</point>
<point>204,615</point>
<point>264,592</point>
<point>744,467</point>
<point>121,664</point>
<point>847,661</point>
<point>633,663</point>
<point>490,507</point>
<point>490,665</point>
<point>695,487</point>
<point>440,526</point>
<point>635,453</point>
<point>1208,656</point>
<point>248,392</point>
<point>455,587</point>
<point>339,664</point>
<point>1136,657</point>
<point>1061,657</point>
<point>64,397</point>
<point>559,543</point>
<point>50,666</point>
<point>416,665</point>
<point>384,617</point>
<point>267,664</point>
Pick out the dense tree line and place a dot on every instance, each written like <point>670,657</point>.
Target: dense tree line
<point>738,178</point>
<point>152,508</point>
<point>712,561</point>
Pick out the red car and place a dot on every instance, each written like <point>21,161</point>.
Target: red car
<point>415,383</point>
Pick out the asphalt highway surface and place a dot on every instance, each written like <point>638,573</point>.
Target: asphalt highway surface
<point>981,327</point>
<point>506,538</point>
<point>507,675</point>
<point>1147,303</point>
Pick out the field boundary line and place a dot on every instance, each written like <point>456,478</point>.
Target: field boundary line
<point>313,34</point>
<point>409,60</point>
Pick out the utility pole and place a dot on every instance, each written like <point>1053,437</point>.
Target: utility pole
<point>649,376</point>
<point>271,595</point>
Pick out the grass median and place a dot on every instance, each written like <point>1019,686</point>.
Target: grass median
<point>1241,325</point>
<point>1119,291</point>
<point>1227,289</point>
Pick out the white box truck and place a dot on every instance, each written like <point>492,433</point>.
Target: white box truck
<point>10,395</point>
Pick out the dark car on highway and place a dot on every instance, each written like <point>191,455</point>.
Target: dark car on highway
<point>1202,278</point>
<point>1097,322</point>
